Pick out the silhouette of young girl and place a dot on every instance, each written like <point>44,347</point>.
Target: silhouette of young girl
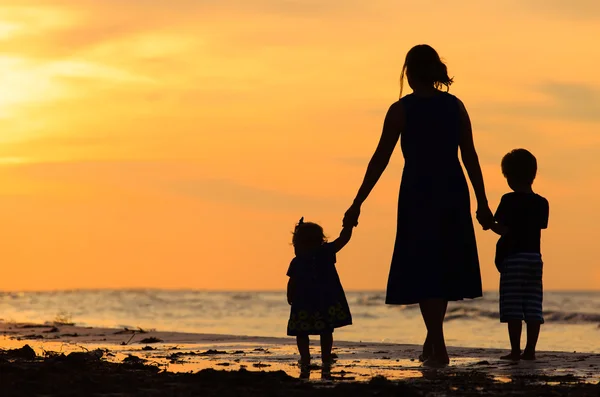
<point>435,255</point>
<point>314,290</point>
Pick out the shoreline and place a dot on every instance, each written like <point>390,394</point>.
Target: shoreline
<point>72,333</point>
<point>171,355</point>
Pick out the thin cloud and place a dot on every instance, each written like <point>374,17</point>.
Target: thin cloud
<point>360,163</point>
<point>561,9</point>
<point>564,101</point>
<point>227,191</point>
<point>574,101</point>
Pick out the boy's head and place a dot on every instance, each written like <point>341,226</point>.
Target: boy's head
<point>519,167</point>
<point>307,236</point>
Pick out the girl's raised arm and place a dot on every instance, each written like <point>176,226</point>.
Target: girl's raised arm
<point>344,238</point>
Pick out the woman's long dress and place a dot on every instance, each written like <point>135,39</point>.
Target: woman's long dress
<point>435,254</point>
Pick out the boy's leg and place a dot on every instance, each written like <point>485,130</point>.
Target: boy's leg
<point>304,349</point>
<point>512,300</point>
<point>514,334</point>
<point>533,332</point>
<point>326,347</point>
<point>533,308</point>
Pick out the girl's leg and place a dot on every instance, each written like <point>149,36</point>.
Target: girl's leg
<point>326,346</point>
<point>533,332</point>
<point>304,349</point>
<point>514,334</point>
<point>433,312</point>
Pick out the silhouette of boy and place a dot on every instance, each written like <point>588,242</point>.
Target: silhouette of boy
<point>519,219</point>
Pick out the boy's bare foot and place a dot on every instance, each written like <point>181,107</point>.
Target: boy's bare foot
<point>513,356</point>
<point>528,355</point>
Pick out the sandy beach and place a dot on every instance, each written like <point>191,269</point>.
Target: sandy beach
<point>169,362</point>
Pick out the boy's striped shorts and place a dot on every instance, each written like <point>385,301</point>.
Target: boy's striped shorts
<point>521,290</point>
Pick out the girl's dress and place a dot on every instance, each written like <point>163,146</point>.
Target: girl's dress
<point>318,303</point>
<point>435,254</point>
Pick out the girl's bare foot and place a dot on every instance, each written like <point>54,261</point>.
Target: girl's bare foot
<point>326,369</point>
<point>513,356</point>
<point>305,368</point>
<point>528,355</point>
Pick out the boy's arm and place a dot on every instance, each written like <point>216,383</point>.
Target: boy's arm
<point>544,215</point>
<point>290,290</point>
<point>500,216</point>
<point>341,241</point>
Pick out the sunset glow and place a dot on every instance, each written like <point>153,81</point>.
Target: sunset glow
<point>175,144</point>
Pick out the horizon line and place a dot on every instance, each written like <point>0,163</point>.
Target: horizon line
<point>282,290</point>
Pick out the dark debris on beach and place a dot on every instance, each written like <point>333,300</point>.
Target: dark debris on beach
<point>23,373</point>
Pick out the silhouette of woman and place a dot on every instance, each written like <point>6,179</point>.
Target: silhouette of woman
<point>435,254</point>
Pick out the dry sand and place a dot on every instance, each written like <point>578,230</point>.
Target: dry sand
<point>143,362</point>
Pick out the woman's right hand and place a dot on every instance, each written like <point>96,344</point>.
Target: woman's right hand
<point>351,216</point>
<point>485,217</point>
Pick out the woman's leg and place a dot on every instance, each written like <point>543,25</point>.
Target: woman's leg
<point>427,346</point>
<point>427,349</point>
<point>433,312</point>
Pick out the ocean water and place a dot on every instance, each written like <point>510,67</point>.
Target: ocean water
<point>572,318</point>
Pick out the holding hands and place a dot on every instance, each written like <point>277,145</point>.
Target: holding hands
<point>351,216</point>
<point>485,216</point>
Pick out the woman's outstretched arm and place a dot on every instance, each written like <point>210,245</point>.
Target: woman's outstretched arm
<point>392,125</point>
<point>471,162</point>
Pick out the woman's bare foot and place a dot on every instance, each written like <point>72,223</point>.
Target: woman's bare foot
<point>436,361</point>
<point>427,351</point>
<point>513,356</point>
<point>528,355</point>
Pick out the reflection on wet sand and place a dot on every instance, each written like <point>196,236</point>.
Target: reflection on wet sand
<point>362,362</point>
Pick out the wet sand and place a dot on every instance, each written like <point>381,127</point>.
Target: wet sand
<point>69,360</point>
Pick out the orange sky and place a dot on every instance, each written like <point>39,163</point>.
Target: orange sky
<point>175,144</point>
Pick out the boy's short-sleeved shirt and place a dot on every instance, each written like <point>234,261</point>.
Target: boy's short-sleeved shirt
<point>524,215</point>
